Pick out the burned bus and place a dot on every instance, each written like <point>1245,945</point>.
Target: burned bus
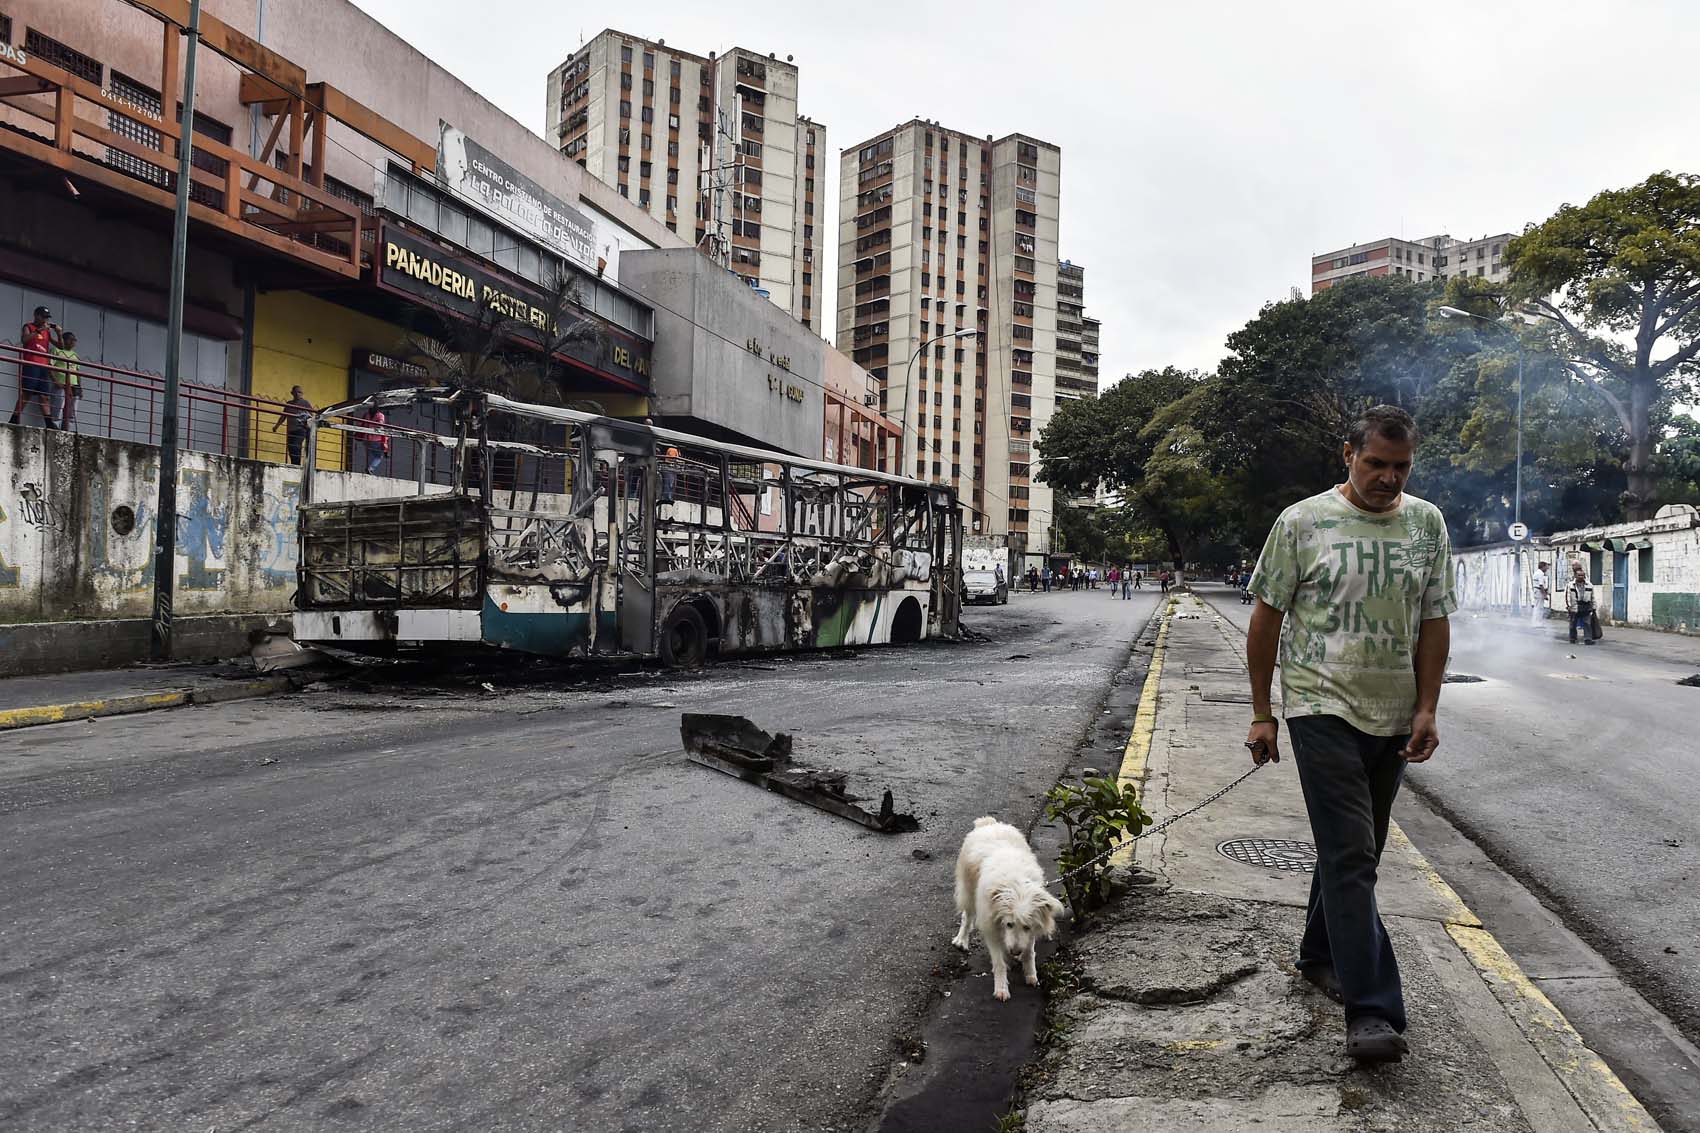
<point>503,525</point>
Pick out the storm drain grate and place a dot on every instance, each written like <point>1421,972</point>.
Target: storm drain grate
<point>1271,853</point>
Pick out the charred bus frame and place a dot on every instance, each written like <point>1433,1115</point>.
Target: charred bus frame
<point>569,534</point>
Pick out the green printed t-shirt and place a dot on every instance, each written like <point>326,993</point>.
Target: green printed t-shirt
<point>1355,586</point>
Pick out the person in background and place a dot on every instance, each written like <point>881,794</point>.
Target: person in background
<point>1139,580</point>
<point>67,380</point>
<point>377,444</point>
<point>669,471</point>
<point>1164,579</point>
<point>1543,593</point>
<point>35,383</point>
<point>1127,582</point>
<point>294,415</point>
<point>1579,604</point>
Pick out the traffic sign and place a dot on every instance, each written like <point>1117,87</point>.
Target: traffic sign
<point>1519,531</point>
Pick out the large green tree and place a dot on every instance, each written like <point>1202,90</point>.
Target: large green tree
<point>1618,279</point>
<point>1136,439</point>
<point>1275,415</point>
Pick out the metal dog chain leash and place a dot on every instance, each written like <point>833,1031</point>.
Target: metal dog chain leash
<point>1157,829</point>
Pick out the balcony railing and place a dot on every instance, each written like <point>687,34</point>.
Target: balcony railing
<point>126,405</point>
<point>249,198</point>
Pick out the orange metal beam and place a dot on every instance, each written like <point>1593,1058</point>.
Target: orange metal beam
<point>230,43</point>
<point>23,84</point>
<point>96,173</point>
<point>369,124</point>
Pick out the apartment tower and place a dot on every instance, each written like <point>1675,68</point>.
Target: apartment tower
<point>1077,336</point>
<point>710,145</point>
<point>940,232</point>
<point>1432,257</point>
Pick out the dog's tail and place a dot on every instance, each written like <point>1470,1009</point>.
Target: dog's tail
<point>984,820</point>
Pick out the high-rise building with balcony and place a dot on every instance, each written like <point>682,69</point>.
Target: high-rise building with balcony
<point>1077,335</point>
<point>710,145</point>
<point>940,232</point>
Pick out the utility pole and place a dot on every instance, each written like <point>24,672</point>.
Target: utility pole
<point>165,512</point>
<point>720,174</point>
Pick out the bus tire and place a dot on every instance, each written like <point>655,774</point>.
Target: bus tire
<point>684,638</point>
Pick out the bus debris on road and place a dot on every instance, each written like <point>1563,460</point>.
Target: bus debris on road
<point>733,745</point>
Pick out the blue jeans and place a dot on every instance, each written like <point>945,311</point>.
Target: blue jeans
<point>1349,779</point>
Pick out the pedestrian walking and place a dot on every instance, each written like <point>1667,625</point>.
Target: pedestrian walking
<point>1579,604</point>
<point>67,379</point>
<point>295,413</point>
<point>1127,594</point>
<point>1543,593</point>
<point>1045,580</point>
<point>1164,579</point>
<point>35,382</point>
<point>1365,573</point>
<point>1139,580</point>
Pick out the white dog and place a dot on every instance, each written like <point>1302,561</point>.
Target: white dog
<point>1000,891</point>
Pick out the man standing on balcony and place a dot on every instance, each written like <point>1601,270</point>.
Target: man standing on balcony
<point>67,380</point>
<point>294,415</point>
<point>35,382</point>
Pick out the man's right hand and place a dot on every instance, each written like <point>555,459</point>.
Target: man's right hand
<point>1264,740</point>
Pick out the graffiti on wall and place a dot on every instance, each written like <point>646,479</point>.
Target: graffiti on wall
<point>120,558</point>
<point>34,508</point>
<point>201,528</point>
<point>279,545</point>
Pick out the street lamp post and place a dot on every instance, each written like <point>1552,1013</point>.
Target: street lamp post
<point>1517,490</point>
<point>908,377</point>
<point>165,508</point>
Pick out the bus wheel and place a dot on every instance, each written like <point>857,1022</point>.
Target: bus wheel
<point>684,638</point>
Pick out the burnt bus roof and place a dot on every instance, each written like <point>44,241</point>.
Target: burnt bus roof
<point>445,395</point>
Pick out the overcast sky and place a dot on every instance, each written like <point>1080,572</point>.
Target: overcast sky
<point>1208,149</point>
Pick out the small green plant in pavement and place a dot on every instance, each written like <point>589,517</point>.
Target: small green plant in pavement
<point>1096,815</point>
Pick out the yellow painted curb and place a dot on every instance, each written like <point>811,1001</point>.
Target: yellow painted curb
<point>1138,749</point>
<point>1457,912</point>
<point>84,709</point>
<point>1597,1090</point>
<point>11,718</point>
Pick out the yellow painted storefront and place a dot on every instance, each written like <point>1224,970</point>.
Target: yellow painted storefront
<point>301,340</point>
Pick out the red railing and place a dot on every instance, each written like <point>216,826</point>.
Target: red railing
<point>126,405</point>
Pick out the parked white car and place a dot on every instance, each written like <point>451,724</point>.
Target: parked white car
<point>985,586</point>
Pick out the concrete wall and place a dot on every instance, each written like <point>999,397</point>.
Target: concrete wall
<point>77,532</point>
<point>1493,578</point>
<point>713,375</point>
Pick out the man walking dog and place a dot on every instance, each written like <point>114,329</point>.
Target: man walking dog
<point>1363,575</point>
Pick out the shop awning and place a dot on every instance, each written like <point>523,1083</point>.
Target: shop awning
<point>1593,545</point>
<point>1641,545</point>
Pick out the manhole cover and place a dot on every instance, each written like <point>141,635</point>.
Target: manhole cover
<point>1271,853</point>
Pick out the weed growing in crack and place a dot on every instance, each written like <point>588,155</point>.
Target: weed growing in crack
<point>1012,1122</point>
<point>1096,815</point>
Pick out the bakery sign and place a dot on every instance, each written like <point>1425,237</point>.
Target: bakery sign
<point>460,287</point>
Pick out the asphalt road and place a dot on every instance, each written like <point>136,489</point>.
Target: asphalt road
<point>1576,769</point>
<point>411,908</point>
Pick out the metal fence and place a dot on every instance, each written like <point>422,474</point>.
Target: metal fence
<point>126,405</point>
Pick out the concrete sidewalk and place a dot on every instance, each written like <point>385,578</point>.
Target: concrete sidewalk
<point>54,698</point>
<point>1179,1009</point>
